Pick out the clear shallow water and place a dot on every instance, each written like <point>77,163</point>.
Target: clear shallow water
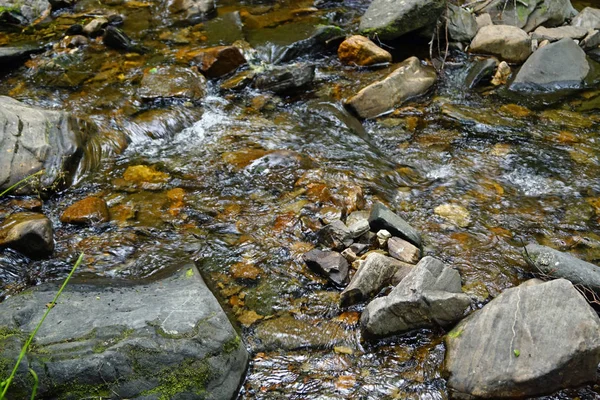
<point>257,173</point>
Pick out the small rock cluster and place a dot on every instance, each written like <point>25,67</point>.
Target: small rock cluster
<point>385,250</point>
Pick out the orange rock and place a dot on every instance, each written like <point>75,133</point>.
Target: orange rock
<point>140,174</point>
<point>360,50</point>
<point>244,271</point>
<point>87,211</point>
<point>217,61</point>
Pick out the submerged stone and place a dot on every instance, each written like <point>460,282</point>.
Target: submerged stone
<point>217,61</point>
<point>172,82</point>
<point>285,79</point>
<point>85,212</point>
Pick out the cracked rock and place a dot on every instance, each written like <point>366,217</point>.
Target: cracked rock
<point>328,263</point>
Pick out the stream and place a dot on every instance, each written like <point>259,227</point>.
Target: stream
<point>245,179</point>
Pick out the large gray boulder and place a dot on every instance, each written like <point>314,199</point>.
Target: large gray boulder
<point>410,79</point>
<point>528,15</point>
<point>166,339</point>
<point>558,66</point>
<point>32,139</point>
<point>429,296</point>
<point>588,18</point>
<point>547,261</point>
<point>389,19</point>
<point>531,340</point>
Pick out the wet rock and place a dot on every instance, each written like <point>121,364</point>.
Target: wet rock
<point>502,74</point>
<point>191,12</point>
<point>117,39</point>
<point>374,273</point>
<point>217,61</point>
<point>172,82</point>
<point>454,213</point>
<point>335,235</point>
<point>558,66</point>
<point>462,25</point>
<point>556,264</point>
<point>29,233</point>
<point>328,263</point>
<point>144,177</point>
<point>52,141</point>
<point>23,12</point>
<point>239,81</point>
<point>481,70</point>
<point>403,251</point>
<point>359,228</point>
<point>169,337</point>
<point>359,50</point>
<point>285,79</point>
<point>410,79</point>
<point>530,14</point>
<point>561,32</point>
<point>524,344</point>
<point>323,38</point>
<point>429,296</point>
<point>507,42</point>
<point>95,27</point>
<point>389,19</point>
<point>86,212</point>
<point>588,18</point>
<point>382,217</point>
<point>14,56</point>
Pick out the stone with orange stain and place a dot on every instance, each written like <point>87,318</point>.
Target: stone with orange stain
<point>244,270</point>
<point>85,212</point>
<point>215,62</point>
<point>516,111</point>
<point>122,213</point>
<point>142,174</point>
<point>345,382</point>
<point>235,301</point>
<point>349,318</point>
<point>242,158</point>
<point>176,196</point>
<point>353,197</point>
<point>359,50</point>
<point>249,317</point>
<point>318,192</point>
<point>284,221</point>
<point>567,137</point>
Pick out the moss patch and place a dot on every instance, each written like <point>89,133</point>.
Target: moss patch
<point>232,344</point>
<point>190,376</point>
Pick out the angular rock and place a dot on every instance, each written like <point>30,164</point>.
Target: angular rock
<point>382,217</point>
<point>481,70</point>
<point>117,39</point>
<point>531,340</point>
<point>588,18</point>
<point>556,264</point>
<point>328,263</point>
<point>403,251</point>
<point>530,14</point>
<point>507,42</point>
<point>172,82</point>
<point>32,139</point>
<point>382,238</point>
<point>558,66</point>
<point>357,216</point>
<point>410,79</point>
<point>322,38</point>
<point>28,233</point>
<point>483,20</point>
<point>189,12</point>
<point>359,228</point>
<point>591,41</point>
<point>13,56</point>
<point>167,339</point>
<point>389,19</point>
<point>561,32</point>
<point>335,235</point>
<point>285,79</point>
<point>359,50</point>
<point>374,273</point>
<point>429,296</point>
<point>86,212</point>
<point>95,26</point>
<point>217,61</point>
<point>462,25</point>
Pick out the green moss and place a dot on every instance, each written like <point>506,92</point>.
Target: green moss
<point>6,332</point>
<point>232,344</point>
<point>101,347</point>
<point>80,391</point>
<point>4,9</point>
<point>191,377</point>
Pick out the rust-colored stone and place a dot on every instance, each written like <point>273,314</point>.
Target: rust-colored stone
<point>217,61</point>
<point>87,211</point>
<point>360,50</point>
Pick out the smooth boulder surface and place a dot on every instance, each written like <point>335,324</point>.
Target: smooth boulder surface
<point>528,15</point>
<point>561,32</point>
<point>87,211</point>
<point>329,263</point>
<point>556,264</point>
<point>558,66</point>
<point>531,340</point>
<point>166,339</point>
<point>588,18</point>
<point>507,42</point>
<point>32,139</point>
<point>13,56</point>
<point>28,233</point>
<point>335,235</point>
<point>410,79</point>
<point>172,82</point>
<point>389,19</point>
<point>462,25</point>
<point>382,217</point>
<point>320,40</point>
<point>373,274</point>
<point>429,296</point>
<point>359,50</point>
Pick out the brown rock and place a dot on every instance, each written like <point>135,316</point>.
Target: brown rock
<point>217,61</point>
<point>404,251</point>
<point>28,233</point>
<point>507,42</point>
<point>360,50</point>
<point>87,211</point>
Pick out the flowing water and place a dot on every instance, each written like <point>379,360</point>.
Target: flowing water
<point>247,177</point>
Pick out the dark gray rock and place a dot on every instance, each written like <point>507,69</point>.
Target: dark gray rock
<point>410,79</point>
<point>43,139</point>
<point>556,264</point>
<point>588,18</point>
<point>359,228</point>
<point>591,40</point>
<point>558,66</point>
<point>285,79</point>
<point>28,233</point>
<point>382,217</point>
<point>531,340</point>
<point>24,11</point>
<point>429,296</point>
<point>374,273</point>
<point>389,19</point>
<point>403,251</point>
<point>14,56</point>
<point>167,339</point>
<point>462,25</point>
<point>328,263</point>
<point>528,15</point>
<point>172,82</point>
<point>324,37</point>
<point>481,70</point>
<point>335,235</point>
<point>117,39</point>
